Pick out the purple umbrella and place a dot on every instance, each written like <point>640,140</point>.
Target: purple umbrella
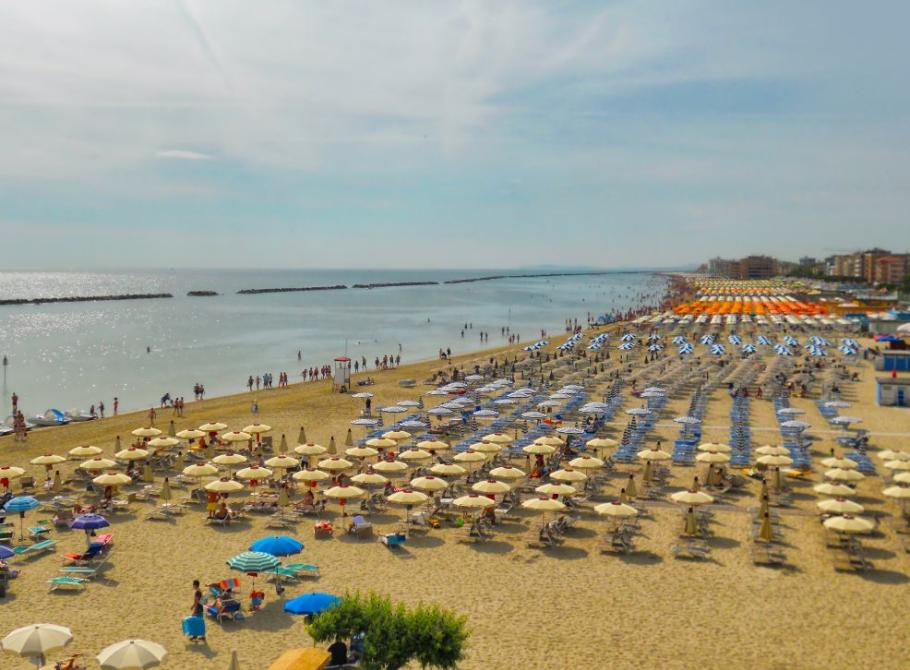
<point>88,523</point>
<point>6,552</point>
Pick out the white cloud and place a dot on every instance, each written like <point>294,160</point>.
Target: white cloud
<point>182,154</point>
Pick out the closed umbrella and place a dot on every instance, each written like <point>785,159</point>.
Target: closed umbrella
<point>283,445</point>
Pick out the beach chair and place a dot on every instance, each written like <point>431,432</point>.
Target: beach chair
<point>37,548</point>
<point>691,550</point>
<point>81,571</point>
<point>360,528</point>
<point>280,520</point>
<point>67,583</point>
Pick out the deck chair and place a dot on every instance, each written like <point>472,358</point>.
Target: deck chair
<point>36,548</point>
<point>67,583</point>
<point>360,528</point>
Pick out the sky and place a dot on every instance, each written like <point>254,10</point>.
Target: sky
<point>419,134</point>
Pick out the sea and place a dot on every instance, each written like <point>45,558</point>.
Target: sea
<point>69,356</point>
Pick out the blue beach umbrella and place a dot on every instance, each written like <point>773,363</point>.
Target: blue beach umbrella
<point>20,504</point>
<point>277,545</point>
<point>707,340</point>
<point>311,603</point>
<point>762,339</point>
<point>6,552</point>
<point>88,523</point>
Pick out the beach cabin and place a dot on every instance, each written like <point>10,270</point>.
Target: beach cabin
<point>341,378</point>
<point>893,360</point>
<point>892,392</point>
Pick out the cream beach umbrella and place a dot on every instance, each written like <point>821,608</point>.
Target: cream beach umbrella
<point>586,463</point>
<point>485,448</point>
<point>310,449</point>
<point>615,509</point>
<point>163,442</point>
<point>361,452</point>
<point>344,493</point>
<point>849,524</point>
<point>311,476</point>
<point>253,473</point>
<point>236,436</point>
<point>507,473</point>
<point>131,655</point>
<point>190,434</point>
<point>224,485</point>
<point>429,483</point>
<point>397,435</point>
<point>602,443</point>
<point>282,462</point>
<point>11,472</point>
<point>229,459</point>
<point>257,428</point>
<point>491,486</point>
<point>37,640</point>
<point>85,451</point>
<point>890,455</point>
<point>557,490</point>
<point>131,454</point>
<point>898,465</point>
<point>829,489</point>
<point>448,470</point>
<point>335,464</point>
<point>48,460</point>
<point>544,505</point>
<point>473,501</point>
<point>212,427</point>
<point>843,463</point>
<point>776,461</point>
<point>839,506</point>
<point>897,492</point>
<point>902,478</point>
<point>408,498</point>
<point>692,498</point>
<point>381,443</point>
<point>97,463</point>
<point>841,475</point>
<point>369,479</point>
<point>771,450</point>
<point>653,455</point>
<point>497,438</point>
<point>146,432</point>
<point>390,468</point>
<point>712,457</point>
<point>433,445</point>
<point>714,448</point>
<point>200,470</point>
<point>549,440</point>
<point>112,479</point>
<point>539,449</point>
<point>567,475</point>
<point>414,455</point>
<point>470,457</point>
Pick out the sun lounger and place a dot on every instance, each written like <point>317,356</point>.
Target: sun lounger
<point>691,550</point>
<point>36,548</point>
<point>360,528</point>
<point>70,583</point>
<point>281,520</point>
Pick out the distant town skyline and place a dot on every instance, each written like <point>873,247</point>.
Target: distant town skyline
<point>457,134</point>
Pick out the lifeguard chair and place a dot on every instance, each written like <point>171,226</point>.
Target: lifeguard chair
<point>341,378</point>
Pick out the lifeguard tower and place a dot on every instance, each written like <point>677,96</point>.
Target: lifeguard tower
<point>341,378</point>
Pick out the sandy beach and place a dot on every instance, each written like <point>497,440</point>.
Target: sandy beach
<point>567,607</point>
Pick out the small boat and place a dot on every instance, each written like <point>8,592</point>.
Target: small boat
<point>5,430</point>
<point>52,417</point>
<point>11,423</point>
<point>76,415</point>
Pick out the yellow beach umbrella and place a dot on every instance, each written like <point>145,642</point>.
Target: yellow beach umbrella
<point>200,470</point>
<point>507,472</point>
<point>653,455</point>
<point>48,459</point>
<point>311,476</point>
<point>407,498</point>
<point>692,498</point>
<point>712,457</point>
<point>714,448</point>
<point>557,490</point>
<point>473,501</point>
<point>566,475</point>
<point>282,462</point>
<point>485,447</point>
<point>381,443</point>
<point>190,434</point>
<point>257,428</point>
<point>429,483</point>
<point>165,494</point>
<point>849,524</point>
<point>829,489</point>
<point>310,449</point>
<point>212,427</point>
<point>586,463</point>
<point>497,438</point>
<point>236,436</point>
<point>890,455</point>
<point>390,467</point>
<point>361,452</point>
<point>765,530</point>
<point>112,479</point>
<point>539,449</point>
<point>774,460</point>
<point>843,463</point>
<point>898,492</point>
<point>229,459</point>
<point>840,506</point>
<point>631,489</point>
<point>131,454</point>
<point>253,472</point>
<point>549,440</point>
<point>163,442</point>
<point>335,464</point>
<point>433,445</point>
<point>397,435</point>
<point>616,509</point>
<point>448,470</point>
<point>414,455</point>
<point>491,486</point>
<point>85,451</point>
<point>898,465</point>
<point>544,505</point>
<point>344,492</point>
<point>769,450</point>
<point>283,445</point>
<point>469,457</point>
<point>97,463</point>
<point>602,443</point>
<point>902,477</point>
<point>224,485</point>
<point>369,479</point>
<point>146,432</point>
<point>841,475</point>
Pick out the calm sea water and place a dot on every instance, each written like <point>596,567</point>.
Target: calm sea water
<point>72,355</point>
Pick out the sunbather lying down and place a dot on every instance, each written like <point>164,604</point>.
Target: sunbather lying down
<point>71,663</point>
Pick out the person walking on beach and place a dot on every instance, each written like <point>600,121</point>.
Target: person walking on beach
<point>15,399</point>
<point>249,383</point>
<point>257,382</point>
<point>101,408</point>
<point>152,415</point>
<point>116,405</point>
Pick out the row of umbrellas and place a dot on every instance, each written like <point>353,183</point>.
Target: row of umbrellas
<point>36,641</point>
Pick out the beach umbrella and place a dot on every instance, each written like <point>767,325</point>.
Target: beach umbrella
<point>85,451</point>
<point>712,457</point>
<point>397,435</point>
<point>253,473</point>
<point>131,454</point>
<point>253,561</point>
<point>586,463</point>
<point>556,490</point>
<point>486,414</point>
<point>829,489</point>
<point>687,420</point>
<point>362,395</point>
<point>631,489</point>
<point>491,486</point>
<point>715,448</point>
<point>361,452</point>
<point>89,523</point>
<point>765,530</point>
<point>841,475</point>
<point>769,450</point>
<point>310,476</point>
<point>601,443</point>
<point>301,436</point>
<point>224,485</point>
<point>163,442</point>
<point>282,462</point>
<point>146,432</point>
<point>369,479</point>
<point>544,505</point>
<point>190,434</point>
<point>549,440</point>
<point>849,524</point>
<point>408,498</point>
<point>37,640</point>
<point>433,445</point>
<point>112,479</point>
<point>566,475</point>
<point>774,460</point>
<point>890,455</point>
<point>507,472</point>
<point>901,477</point>
<point>791,411</point>
<point>469,457</point>
<point>638,411</point>
<point>212,427</point>
<point>429,483</point>
<point>381,443</point>
<point>131,655</point>
<point>11,472</point>
<point>166,490</point>
<point>837,404</point>
<point>6,552</point>
<point>200,470</point>
<point>497,438</point>
<point>344,493</point>
<point>653,455</point>
<point>539,449</point>
<point>390,467</point>
<point>840,506</point>
<point>277,545</point>
<point>335,464</point>
<point>448,470</point>
<point>236,436</point>
<point>615,509</point>
<point>485,447</point>
<point>689,497</point>
<point>409,455</point>
<point>229,459</point>
<point>283,444</point>
<point>843,463</point>
<point>257,428</point>
<point>20,505</point>
<point>569,430</point>
<point>48,459</point>
<point>898,465</point>
<point>533,415</point>
<point>899,492</point>
<point>311,603</point>
<point>473,501</point>
<point>440,411</point>
<point>795,425</point>
<point>310,449</point>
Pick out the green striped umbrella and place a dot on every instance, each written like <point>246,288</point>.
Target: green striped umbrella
<point>253,561</point>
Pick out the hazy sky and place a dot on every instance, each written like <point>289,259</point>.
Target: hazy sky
<point>454,134</point>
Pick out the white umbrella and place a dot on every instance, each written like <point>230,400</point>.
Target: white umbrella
<point>37,640</point>
<point>131,654</point>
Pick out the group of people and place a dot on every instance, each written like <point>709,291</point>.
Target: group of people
<point>266,381</point>
<point>198,391</point>
<point>168,401</point>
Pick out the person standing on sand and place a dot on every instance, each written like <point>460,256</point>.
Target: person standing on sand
<point>152,415</point>
<point>15,403</point>
<point>101,408</point>
<point>116,405</point>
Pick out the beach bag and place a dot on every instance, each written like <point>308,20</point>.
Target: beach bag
<point>194,626</point>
